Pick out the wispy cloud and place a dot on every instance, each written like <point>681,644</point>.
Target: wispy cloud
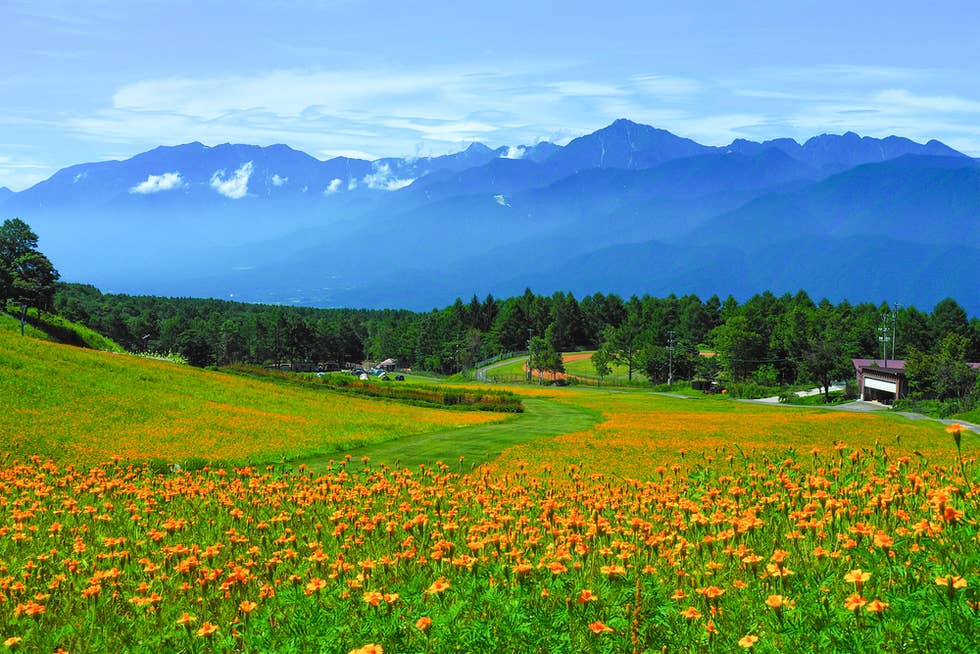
<point>514,152</point>
<point>903,99</point>
<point>432,110</point>
<point>279,181</point>
<point>369,113</point>
<point>19,174</point>
<point>382,179</point>
<point>333,186</point>
<point>667,85</point>
<point>159,183</point>
<point>236,186</point>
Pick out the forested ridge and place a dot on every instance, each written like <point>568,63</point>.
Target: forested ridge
<point>770,338</point>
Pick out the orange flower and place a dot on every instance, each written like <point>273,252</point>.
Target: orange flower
<point>612,570</point>
<point>370,648</point>
<point>712,592</point>
<point>748,642</point>
<point>882,539</point>
<point>316,585</point>
<point>439,585</point>
<point>599,627</point>
<point>955,429</point>
<point>952,581</point>
<point>857,577</point>
<point>522,568</point>
<point>423,623</point>
<point>854,602</point>
<point>247,607</point>
<point>691,613</point>
<point>779,602</point>
<point>557,567</point>
<point>13,640</point>
<point>206,629</point>
<point>186,619</point>
<point>372,597</point>
<point>586,596</point>
<point>876,606</point>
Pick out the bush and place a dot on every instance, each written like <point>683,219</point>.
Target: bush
<point>751,390</point>
<point>424,395</point>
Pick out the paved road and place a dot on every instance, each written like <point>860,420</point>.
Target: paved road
<point>860,406</point>
<point>481,373</point>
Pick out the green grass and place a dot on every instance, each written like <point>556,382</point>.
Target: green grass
<point>83,406</point>
<point>9,323</point>
<point>54,328</point>
<point>618,376</point>
<point>836,397</point>
<point>508,369</point>
<point>445,396</point>
<point>542,418</point>
<point>969,416</point>
<point>513,371</point>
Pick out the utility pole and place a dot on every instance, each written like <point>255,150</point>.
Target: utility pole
<point>670,358</point>
<point>883,338</point>
<point>530,370</point>
<point>894,326</point>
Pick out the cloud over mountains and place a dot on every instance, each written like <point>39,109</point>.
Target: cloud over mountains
<point>234,187</point>
<point>159,183</point>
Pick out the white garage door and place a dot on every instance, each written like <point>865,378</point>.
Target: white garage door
<point>880,385</point>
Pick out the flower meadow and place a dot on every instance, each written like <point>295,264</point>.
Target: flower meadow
<point>859,550</point>
<point>670,525</point>
<point>641,432</point>
<point>84,406</point>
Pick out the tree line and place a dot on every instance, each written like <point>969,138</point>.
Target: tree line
<point>770,340</point>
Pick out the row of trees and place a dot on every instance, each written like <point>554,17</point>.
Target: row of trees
<point>767,340</point>
<point>772,341</point>
<point>26,275</point>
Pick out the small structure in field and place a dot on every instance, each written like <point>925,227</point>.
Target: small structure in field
<point>881,380</point>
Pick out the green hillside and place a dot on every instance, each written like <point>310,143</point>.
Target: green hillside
<point>54,328</point>
<point>79,405</point>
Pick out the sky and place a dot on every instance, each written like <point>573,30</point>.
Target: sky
<point>105,79</point>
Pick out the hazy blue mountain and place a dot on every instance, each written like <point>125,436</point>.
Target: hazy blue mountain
<point>830,153</point>
<point>624,144</point>
<point>540,151</point>
<point>835,268</point>
<point>476,154</point>
<point>628,208</point>
<point>922,199</point>
<point>5,193</point>
<point>499,176</point>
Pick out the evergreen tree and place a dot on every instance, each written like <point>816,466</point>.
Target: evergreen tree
<point>26,275</point>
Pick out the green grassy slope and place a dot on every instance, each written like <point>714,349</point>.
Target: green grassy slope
<point>83,406</point>
<point>478,444</point>
<point>54,328</point>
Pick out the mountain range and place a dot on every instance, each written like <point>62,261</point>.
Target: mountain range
<point>626,209</point>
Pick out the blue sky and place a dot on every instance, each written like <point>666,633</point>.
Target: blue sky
<point>374,78</point>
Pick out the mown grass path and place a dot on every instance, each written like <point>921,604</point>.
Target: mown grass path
<point>542,418</point>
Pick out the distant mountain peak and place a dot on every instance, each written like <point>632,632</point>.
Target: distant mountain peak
<point>477,147</point>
